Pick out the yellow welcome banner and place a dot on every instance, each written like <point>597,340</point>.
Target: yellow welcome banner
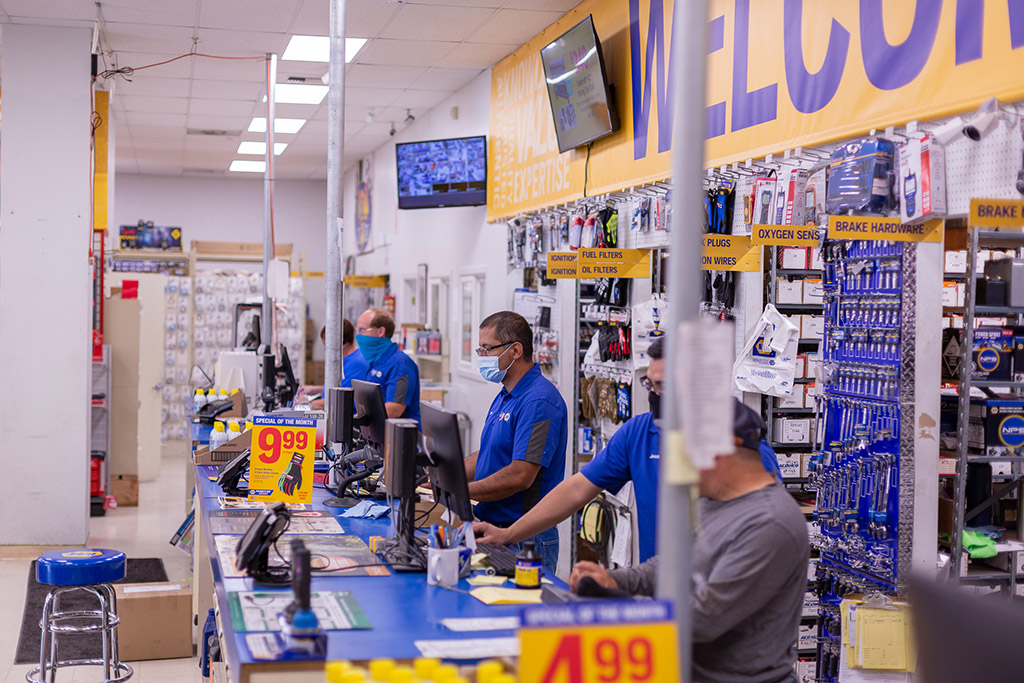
<point>780,74</point>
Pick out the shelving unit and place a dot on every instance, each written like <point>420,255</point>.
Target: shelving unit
<point>979,239</point>
<point>99,435</point>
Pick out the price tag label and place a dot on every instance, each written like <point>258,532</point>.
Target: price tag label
<point>281,463</point>
<point>620,642</point>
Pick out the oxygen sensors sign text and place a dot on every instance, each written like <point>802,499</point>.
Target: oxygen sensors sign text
<point>844,67</point>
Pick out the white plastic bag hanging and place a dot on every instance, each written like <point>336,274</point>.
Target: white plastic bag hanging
<point>767,364</point>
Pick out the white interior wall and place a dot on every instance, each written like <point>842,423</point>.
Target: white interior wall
<point>231,209</point>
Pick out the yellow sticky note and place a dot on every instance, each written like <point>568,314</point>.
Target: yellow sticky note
<point>212,478</point>
<point>477,560</point>
<point>495,595</point>
<point>881,639</point>
<point>485,580</point>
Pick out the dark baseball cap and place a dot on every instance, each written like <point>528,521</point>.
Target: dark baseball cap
<point>747,426</point>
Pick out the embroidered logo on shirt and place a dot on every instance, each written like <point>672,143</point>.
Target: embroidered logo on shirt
<point>377,373</point>
<point>504,417</point>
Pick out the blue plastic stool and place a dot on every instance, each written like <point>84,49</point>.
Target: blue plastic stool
<point>91,570</point>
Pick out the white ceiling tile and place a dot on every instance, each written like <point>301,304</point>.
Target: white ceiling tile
<point>290,111</point>
<point>139,133</point>
<point>224,144</point>
<point>176,13</point>
<point>477,55</point>
<point>293,68</point>
<point>62,23</point>
<point>377,130</point>
<point>162,145</point>
<point>372,97</point>
<point>206,158</point>
<point>181,68</point>
<point>413,22</point>
<point>248,15</point>
<point>148,85</point>
<point>240,108</point>
<point>369,75</point>
<point>404,52</point>
<point>552,5</point>
<point>313,129</point>
<point>233,124</point>
<point>166,105</point>
<point>249,70</point>
<point>173,40</point>
<point>422,99</point>
<point>363,18</point>
<point>232,90</point>
<point>50,10</point>
<point>514,26</point>
<point>445,79</point>
<point>241,43</point>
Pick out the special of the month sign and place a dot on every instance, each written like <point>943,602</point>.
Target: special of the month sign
<point>598,643</point>
<point>879,228</point>
<point>997,213</point>
<point>730,252</point>
<point>281,461</point>
<point>785,235</point>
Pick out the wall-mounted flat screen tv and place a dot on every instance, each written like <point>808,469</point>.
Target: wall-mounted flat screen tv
<point>577,88</point>
<point>435,173</point>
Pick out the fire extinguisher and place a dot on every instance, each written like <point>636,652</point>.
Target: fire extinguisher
<point>389,304</point>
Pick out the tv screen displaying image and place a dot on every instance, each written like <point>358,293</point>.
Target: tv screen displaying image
<point>437,173</point>
<point>577,89</point>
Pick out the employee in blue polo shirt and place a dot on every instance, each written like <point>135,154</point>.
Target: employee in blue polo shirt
<point>353,364</point>
<point>632,454</point>
<point>388,366</point>
<point>522,445</point>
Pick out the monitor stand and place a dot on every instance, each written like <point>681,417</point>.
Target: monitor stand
<point>404,552</point>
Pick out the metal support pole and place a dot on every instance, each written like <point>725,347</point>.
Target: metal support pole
<point>267,333</point>
<point>335,291</point>
<point>678,478</point>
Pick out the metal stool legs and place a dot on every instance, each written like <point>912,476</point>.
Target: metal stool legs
<point>104,620</point>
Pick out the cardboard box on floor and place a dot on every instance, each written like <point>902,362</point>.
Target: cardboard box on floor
<point>125,487</point>
<point>156,621</point>
<point>226,452</point>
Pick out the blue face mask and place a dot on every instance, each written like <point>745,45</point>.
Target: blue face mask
<point>372,348</point>
<point>489,369</point>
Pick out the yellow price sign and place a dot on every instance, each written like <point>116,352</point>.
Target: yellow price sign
<point>281,461</point>
<point>624,642</point>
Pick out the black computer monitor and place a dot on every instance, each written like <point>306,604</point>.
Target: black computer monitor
<point>443,445</point>
<point>371,414</point>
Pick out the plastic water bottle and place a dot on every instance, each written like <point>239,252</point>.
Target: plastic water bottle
<point>223,394</point>
<point>248,425</point>
<point>233,429</point>
<point>199,400</point>
<point>381,670</point>
<point>218,436</point>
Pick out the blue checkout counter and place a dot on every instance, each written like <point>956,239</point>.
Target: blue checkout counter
<point>401,607</point>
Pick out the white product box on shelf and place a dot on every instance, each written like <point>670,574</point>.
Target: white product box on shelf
<point>789,465</point>
<point>813,326</point>
<point>797,320</point>
<point>812,569</point>
<point>794,400</point>
<point>813,291</point>
<point>809,396</point>
<point>815,261</point>
<point>793,258</point>
<point>808,637</point>
<point>788,291</point>
<point>801,366</point>
<point>921,186</point>
<point>955,261</point>
<point>810,607</point>
<point>1001,468</point>
<point>805,462</point>
<point>813,365</point>
<point>949,294</point>
<point>792,430</point>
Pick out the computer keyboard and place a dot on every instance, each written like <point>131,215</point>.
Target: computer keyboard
<point>501,559</point>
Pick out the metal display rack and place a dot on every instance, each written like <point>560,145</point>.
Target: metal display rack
<point>978,239</point>
<point>99,435</point>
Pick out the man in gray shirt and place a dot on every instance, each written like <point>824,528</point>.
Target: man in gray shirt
<point>749,568</point>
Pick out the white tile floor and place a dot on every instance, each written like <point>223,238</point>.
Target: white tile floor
<point>139,532</point>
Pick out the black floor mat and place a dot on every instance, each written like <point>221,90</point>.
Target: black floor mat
<point>73,645</point>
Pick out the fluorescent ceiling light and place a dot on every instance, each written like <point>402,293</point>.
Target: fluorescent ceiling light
<point>259,124</point>
<point>253,147</point>
<point>318,49</point>
<point>247,166</point>
<point>294,93</point>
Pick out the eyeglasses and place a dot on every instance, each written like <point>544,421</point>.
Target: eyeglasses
<point>650,385</point>
<point>485,350</point>
<point>364,330</point>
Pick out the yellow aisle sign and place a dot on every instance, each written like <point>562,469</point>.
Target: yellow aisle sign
<point>562,265</point>
<point>366,281</point>
<point>628,263</point>
<point>879,228</point>
<point>997,213</point>
<point>584,644</point>
<point>281,463</point>
<point>730,252</point>
<point>786,235</point>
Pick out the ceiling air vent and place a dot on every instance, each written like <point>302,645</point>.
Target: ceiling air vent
<point>205,171</point>
<point>304,79</point>
<point>213,132</point>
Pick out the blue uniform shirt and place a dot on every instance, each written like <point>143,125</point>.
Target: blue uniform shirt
<point>354,367</point>
<point>633,453</point>
<point>528,423</point>
<point>399,378</point>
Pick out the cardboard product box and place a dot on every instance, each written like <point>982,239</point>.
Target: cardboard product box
<point>125,488</point>
<point>789,291</point>
<point>813,327</point>
<point>921,185</point>
<point>992,358</point>
<point>805,669</point>
<point>792,430</point>
<point>813,365</point>
<point>950,291</point>
<point>815,261</point>
<point>1002,561</point>
<point>794,400</point>
<point>789,465</point>
<point>801,367</point>
<point>814,196</point>
<point>792,197</point>
<point>797,321</point>
<point>955,261</point>
<point>996,427</point>
<point>763,201</point>
<point>226,452</point>
<point>810,608</point>
<point>793,258</point>
<point>813,291</point>
<point>805,464</point>
<point>156,621</point>
<point>807,638</point>
<point>812,569</point>
<point>1000,469</point>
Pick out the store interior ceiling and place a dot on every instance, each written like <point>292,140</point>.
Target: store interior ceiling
<point>189,117</point>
